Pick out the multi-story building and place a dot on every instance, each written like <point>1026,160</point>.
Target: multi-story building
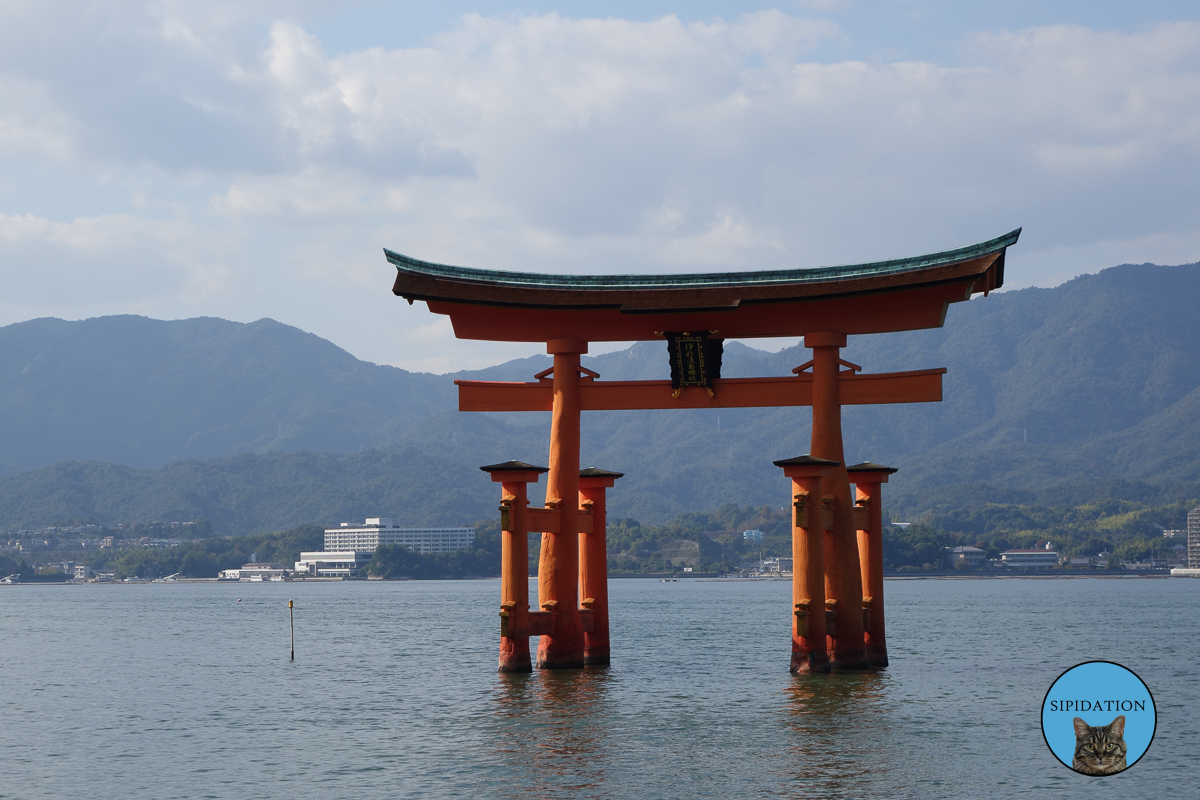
<point>1193,538</point>
<point>376,531</point>
<point>1029,557</point>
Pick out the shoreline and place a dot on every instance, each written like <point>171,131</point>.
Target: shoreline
<point>676,578</point>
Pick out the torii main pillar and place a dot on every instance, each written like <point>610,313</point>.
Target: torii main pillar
<point>843,580</point>
<point>558,564</point>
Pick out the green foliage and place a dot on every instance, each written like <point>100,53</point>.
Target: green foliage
<point>204,559</point>
<point>636,548</point>
<point>13,566</point>
<point>914,546</point>
<point>1130,530</point>
<point>481,560</point>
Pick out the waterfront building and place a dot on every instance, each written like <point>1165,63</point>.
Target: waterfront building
<point>973,556</point>
<point>376,531</point>
<point>82,572</point>
<point>1029,557</point>
<point>257,571</point>
<point>324,564</point>
<point>1193,538</point>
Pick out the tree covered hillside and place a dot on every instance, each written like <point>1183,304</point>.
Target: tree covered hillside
<point>143,392</point>
<point>1049,392</point>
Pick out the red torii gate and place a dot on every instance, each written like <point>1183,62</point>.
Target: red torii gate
<point>836,541</point>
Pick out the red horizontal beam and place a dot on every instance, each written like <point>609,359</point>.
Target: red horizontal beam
<point>918,386</point>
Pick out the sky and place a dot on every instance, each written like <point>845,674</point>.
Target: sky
<point>249,160</point>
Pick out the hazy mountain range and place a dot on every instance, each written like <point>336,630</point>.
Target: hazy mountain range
<point>1057,393</point>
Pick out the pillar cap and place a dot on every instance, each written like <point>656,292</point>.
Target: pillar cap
<point>593,478</point>
<point>807,466</point>
<point>514,472</point>
<point>514,466</point>
<point>869,466</point>
<point>596,472</point>
<point>806,461</point>
<point>869,472</point>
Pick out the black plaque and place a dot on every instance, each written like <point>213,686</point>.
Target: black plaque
<point>695,359</point>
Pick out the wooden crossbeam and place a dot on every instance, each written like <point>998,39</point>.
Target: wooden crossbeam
<point>917,386</point>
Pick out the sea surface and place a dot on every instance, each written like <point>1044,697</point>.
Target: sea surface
<point>183,691</point>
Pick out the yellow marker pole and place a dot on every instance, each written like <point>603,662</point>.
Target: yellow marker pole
<point>292,624</point>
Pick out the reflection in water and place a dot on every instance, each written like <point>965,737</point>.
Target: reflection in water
<point>551,732</point>
<point>840,734</point>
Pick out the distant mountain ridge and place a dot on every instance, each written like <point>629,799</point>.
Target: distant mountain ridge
<point>145,392</point>
<point>1096,381</point>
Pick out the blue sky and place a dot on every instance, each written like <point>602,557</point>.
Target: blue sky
<point>180,159</point>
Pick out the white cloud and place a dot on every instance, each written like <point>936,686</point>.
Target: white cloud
<point>122,261</point>
<point>30,124</point>
<point>557,144</point>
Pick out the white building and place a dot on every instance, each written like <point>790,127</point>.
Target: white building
<point>256,571</point>
<point>377,531</point>
<point>1193,538</point>
<point>324,564</point>
<point>752,536</point>
<point>1030,557</point>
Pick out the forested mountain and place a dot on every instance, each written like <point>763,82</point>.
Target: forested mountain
<point>1087,390</point>
<point>145,392</point>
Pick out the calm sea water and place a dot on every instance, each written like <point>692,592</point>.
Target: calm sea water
<point>180,691</point>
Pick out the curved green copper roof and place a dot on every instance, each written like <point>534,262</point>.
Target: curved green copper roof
<point>700,280</point>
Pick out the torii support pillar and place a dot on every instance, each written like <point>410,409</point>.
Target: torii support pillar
<point>868,479</point>
<point>843,580</point>
<point>593,563</point>
<point>513,476</point>
<point>558,567</point>
<point>809,653</point>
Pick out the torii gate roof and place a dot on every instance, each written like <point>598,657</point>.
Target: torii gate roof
<point>895,295</point>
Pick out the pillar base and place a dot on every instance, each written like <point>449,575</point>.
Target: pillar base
<point>596,657</point>
<point>513,657</point>
<point>849,660</point>
<point>877,656</point>
<point>808,663</point>
<point>516,665</point>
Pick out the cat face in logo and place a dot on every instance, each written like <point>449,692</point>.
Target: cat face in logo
<point>1099,750</point>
